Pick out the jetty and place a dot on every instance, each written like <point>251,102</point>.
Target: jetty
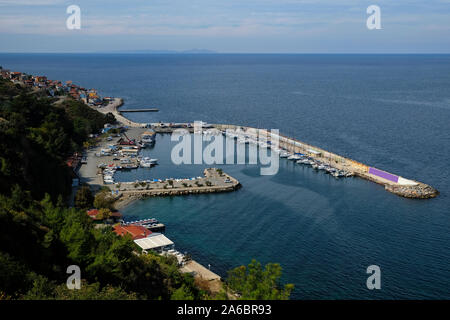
<point>393,183</point>
<point>140,110</point>
<point>213,181</point>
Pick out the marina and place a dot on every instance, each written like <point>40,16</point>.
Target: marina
<point>317,158</point>
<point>292,148</point>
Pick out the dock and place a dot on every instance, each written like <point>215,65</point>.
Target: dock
<point>213,181</point>
<point>393,183</point>
<point>140,110</point>
<point>197,270</point>
<point>151,224</point>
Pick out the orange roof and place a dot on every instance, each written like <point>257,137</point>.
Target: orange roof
<point>92,212</point>
<point>136,232</point>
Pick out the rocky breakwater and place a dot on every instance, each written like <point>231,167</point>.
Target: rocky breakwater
<point>419,191</point>
<point>214,181</point>
<point>415,190</point>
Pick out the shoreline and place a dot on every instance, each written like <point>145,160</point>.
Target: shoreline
<point>113,107</point>
<point>392,183</point>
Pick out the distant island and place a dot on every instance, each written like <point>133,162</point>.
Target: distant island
<point>190,51</point>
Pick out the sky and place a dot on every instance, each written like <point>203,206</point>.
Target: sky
<point>227,26</point>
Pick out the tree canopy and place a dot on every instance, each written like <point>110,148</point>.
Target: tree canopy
<point>257,283</point>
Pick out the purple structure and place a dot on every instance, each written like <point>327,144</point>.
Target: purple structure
<point>383,174</point>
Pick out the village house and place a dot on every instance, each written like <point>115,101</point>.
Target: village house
<point>136,232</point>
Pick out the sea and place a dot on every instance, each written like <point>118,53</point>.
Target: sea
<point>387,111</point>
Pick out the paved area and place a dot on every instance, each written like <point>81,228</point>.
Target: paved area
<point>199,271</point>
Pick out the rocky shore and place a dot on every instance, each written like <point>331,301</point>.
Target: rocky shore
<point>420,191</point>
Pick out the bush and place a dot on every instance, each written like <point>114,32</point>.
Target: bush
<point>84,198</point>
<point>255,283</point>
<point>103,199</point>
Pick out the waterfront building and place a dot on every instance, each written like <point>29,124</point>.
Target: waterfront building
<point>136,232</point>
<point>156,241</point>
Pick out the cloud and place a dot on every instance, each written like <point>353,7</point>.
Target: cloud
<point>30,2</point>
<point>304,21</point>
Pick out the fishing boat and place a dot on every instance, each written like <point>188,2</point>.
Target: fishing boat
<point>284,154</point>
<point>295,157</point>
<point>148,137</point>
<point>147,162</point>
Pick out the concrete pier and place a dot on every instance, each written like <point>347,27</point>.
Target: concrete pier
<point>393,183</point>
<point>214,181</point>
<point>140,110</point>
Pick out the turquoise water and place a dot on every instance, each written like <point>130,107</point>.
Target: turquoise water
<point>392,112</point>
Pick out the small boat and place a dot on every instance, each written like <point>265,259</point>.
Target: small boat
<point>148,137</point>
<point>284,154</point>
<point>294,157</point>
<point>147,162</point>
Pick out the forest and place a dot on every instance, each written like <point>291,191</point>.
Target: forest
<point>40,235</point>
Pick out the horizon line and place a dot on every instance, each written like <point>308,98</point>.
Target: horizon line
<point>186,52</point>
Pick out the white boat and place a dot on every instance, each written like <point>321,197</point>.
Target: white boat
<point>294,157</point>
<point>284,154</point>
<point>147,162</point>
<point>148,137</point>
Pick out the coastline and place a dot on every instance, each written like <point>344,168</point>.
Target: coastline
<point>397,185</point>
<point>113,107</point>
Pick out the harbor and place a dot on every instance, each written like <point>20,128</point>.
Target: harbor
<point>302,153</point>
<point>305,154</point>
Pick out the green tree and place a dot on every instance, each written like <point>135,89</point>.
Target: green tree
<point>182,293</point>
<point>103,213</point>
<point>103,199</point>
<point>255,283</point>
<point>84,198</point>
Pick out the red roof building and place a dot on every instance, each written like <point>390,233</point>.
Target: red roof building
<point>136,232</point>
<point>93,213</point>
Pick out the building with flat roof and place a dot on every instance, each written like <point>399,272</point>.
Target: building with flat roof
<point>156,241</point>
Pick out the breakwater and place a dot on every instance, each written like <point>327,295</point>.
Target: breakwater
<point>213,181</point>
<point>393,183</point>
